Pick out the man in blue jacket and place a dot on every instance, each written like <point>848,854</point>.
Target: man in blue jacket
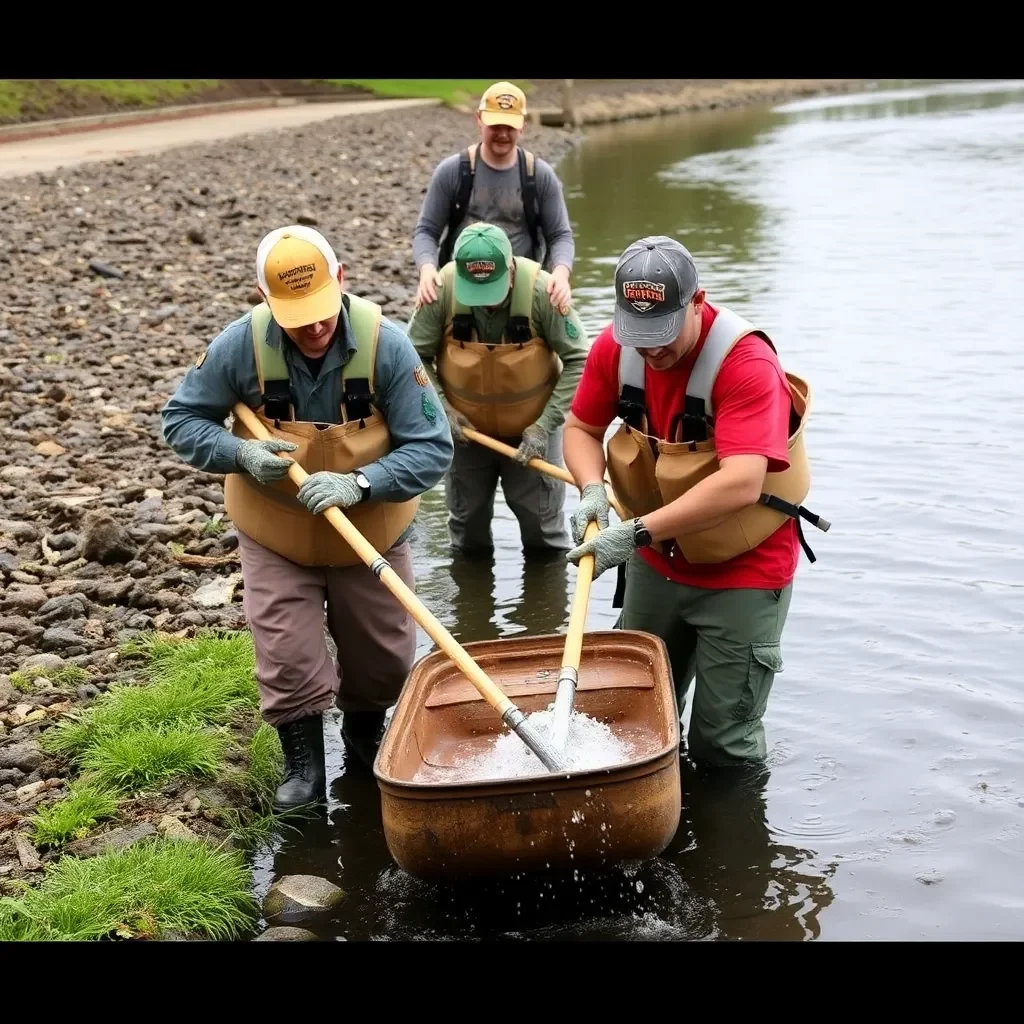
<point>341,392</point>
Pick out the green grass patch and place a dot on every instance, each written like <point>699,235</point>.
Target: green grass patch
<point>195,718</point>
<point>146,758</point>
<point>452,91</point>
<point>73,817</point>
<point>140,892</point>
<point>69,675</point>
<point>266,763</point>
<point>20,682</point>
<point>207,681</point>
<point>22,97</point>
<point>191,716</point>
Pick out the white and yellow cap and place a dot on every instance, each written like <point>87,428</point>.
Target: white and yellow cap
<point>503,103</point>
<point>297,271</point>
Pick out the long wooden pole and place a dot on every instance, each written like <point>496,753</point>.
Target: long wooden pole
<point>511,715</point>
<point>539,464</point>
<point>568,677</point>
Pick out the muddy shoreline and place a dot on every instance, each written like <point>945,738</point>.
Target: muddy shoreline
<point>604,102</point>
<point>116,277</point>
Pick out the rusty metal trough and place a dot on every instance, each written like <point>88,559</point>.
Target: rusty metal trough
<point>440,824</point>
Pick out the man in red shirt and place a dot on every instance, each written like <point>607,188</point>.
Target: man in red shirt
<point>710,464</point>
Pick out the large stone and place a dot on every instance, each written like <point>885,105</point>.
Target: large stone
<point>8,694</point>
<point>105,540</point>
<point>18,530</point>
<point>116,839</point>
<point>24,598</point>
<point>175,828</point>
<point>297,898</point>
<point>47,662</point>
<point>26,757</point>
<point>285,933</point>
<point>18,625</point>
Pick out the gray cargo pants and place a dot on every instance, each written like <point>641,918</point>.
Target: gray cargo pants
<point>374,634</point>
<point>536,499</point>
<point>728,642</point>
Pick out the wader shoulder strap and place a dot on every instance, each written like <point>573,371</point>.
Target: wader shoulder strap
<point>528,186</point>
<point>271,368</point>
<point>463,191</point>
<point>458,318</point>
<point>357,375</point>
<point>521,327</point>
<point>698,414</point>
<point>631,386</point>
<point>727,329</point>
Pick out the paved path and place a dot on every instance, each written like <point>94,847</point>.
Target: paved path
<point>28,156</point>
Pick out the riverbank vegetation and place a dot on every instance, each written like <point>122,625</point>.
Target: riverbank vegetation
<point>171,776</point>
<point>27,100</point>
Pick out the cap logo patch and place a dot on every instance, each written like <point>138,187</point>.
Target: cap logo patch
<point>643,295</point>
<point>481,268</point>
<point>505,101</point>
<point>298,279</point>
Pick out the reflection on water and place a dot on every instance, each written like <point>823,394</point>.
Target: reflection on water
<point>724,876</point>
<point>616,193</point>
<point>878,238</point>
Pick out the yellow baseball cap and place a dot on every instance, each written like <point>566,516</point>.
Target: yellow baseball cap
<point>503,103</point>
<point>297,271</point>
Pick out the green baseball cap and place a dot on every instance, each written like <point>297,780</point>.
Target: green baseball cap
<point>483,256</point>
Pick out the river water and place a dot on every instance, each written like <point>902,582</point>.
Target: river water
<point>877,237</point>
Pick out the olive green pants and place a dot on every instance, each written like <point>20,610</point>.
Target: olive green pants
<point>727,642</point>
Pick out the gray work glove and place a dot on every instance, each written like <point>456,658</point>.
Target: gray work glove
<point>593,507</point>
<point>456,420</point>
<point>533,445</point>
<point>319,491</point>
<point>257,458</point>
<point>610,547</point>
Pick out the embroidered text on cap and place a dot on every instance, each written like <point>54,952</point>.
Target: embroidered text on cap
<point>643,295</point>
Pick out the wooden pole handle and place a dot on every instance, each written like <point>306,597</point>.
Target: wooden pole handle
<point>376,562</point>
<point>539,464</point>
<point>578,614</point>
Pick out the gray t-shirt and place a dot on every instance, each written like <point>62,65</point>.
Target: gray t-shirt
<point>497,199</point>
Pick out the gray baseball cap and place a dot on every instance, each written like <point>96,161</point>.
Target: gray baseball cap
<point>655,279</point>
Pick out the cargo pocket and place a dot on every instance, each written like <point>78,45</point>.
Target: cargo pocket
<point>765,662</point>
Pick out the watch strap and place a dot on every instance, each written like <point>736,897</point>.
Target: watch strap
<point>641,535</point>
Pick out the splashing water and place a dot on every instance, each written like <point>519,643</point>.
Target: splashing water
<point>590,744</point>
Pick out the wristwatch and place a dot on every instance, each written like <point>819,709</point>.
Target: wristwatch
<point>364,485</point>
<point>641,535</point>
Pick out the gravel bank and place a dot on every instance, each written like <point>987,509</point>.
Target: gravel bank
<point>116,277</point>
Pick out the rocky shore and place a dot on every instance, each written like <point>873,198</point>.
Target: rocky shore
<point>115,278</point>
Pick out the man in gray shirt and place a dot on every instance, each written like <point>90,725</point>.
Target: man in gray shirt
<point>499,169</point>
<point>342,390</point>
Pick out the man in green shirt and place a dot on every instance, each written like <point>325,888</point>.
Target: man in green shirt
<point>506,363</point>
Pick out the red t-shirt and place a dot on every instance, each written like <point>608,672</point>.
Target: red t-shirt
<point>752,408</point>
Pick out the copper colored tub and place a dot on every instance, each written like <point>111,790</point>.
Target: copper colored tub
<point>441,826</point>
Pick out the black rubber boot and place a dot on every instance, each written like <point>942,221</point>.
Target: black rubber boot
<point>305,776</point>
<point>361,731</point>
